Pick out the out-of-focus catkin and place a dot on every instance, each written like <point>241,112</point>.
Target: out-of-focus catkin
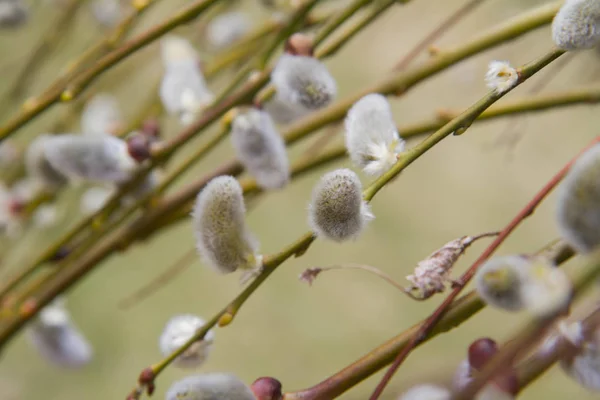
<point>210,387</point>
<point>183,90</point>
<point>91,158</point>
<point>56,338</point>
<point>578,203</point>
<point>372,140</point>
<point>222,238</point>
<point>260,148</point>
<point>500,280</point>
<point>177,332</point>
<point>577,25</point>
<point>303,81</point>
<point>39,167</point>
<point>337,210</point>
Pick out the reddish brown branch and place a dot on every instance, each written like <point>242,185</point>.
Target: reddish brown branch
<point>434,318</point>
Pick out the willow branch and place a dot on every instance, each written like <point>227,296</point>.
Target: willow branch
<point>466,277</point>
<point>460,311</point>
<point>531,334</point>
<point>442,28</point>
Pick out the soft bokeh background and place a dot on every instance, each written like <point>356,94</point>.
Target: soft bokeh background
<point>301,334</point>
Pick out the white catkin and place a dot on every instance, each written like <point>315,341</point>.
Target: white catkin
<point>577,25</point>
<point>213,386</point>
<point>584,366</point>
<point>578,203</point>
<point>13,13</point>
<point>337,210</point>
<point>500,280</point>
<point>372,140</point>
<point>54,336</point>
<point>39,168</point>
<point>108,13</point>
<point>500,76</point>
<point>426,392</point>
<point>260,148</point>
<point>222,238</point>
<point>303,81</point>
<point>177,332</point>
<point>101,116</point>
<point>226,29</point>
<point>547,290</point>
<point>282,112</point>
<point>91,158</point>
<point>175,49</point>
<point>94,198</point>
<point>183,90</point>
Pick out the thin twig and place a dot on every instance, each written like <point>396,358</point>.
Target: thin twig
<point>466,277</point>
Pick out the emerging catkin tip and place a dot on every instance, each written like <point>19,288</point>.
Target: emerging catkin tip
<point>500,76</point>
<point>222,238</point>
<point>372,140</point>
<point>337,210</point>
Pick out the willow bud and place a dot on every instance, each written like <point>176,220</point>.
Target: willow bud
<point>222,238</point>
<point>578,211</point>
<point>372,140</point>
<point>338,211</point>
<point>210,387</point>
<point>91,158</point>
<point>260,149</point>
<point>57,339</point>
<point>13,13</point>
<point>101,116</point>
<point>499,282</point>
<point>226,29</point>
<point>39,168</point>
<point>577,25</point>
<point>501,77</point>
<point>303,81</point>
<point>177,332</point>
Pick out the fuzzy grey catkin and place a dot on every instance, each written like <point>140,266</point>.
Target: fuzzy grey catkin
<point>577,25</point>
<point>13,13</point>
<point>91,158</point>
<point>57,339</point>
<point>578,203</point>
<point>260,149</point>
<point>213,386</point>
<point>226,29</point>
<point>499,282</point>
<point>372,140</point>
<point>177,332</point>
<point>337,210</point>
<point>222,238</point>
<point>39,168</point>
<point>426,392</point>
<point>303,81</point>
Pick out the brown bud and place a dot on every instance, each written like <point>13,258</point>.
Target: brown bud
<point>267,388</point>
<point>138,147</point>
<point>299,44</point>
<point>146,377</point>
<point>28,307</point>
<point>16,206</point>
<point>60,254</point>
<point>481,351</point>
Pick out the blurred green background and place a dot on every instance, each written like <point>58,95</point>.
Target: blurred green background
<point>300,334</point>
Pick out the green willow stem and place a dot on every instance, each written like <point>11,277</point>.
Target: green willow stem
<point>532,333</point>
<point>35,108</point>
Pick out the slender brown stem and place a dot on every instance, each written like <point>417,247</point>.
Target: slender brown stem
<point>466,277</point>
